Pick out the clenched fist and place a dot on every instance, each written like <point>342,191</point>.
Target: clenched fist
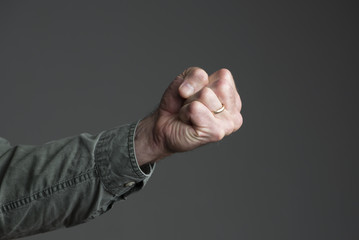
<point>195,109</point>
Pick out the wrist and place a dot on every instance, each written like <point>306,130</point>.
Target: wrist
<point>148,147</point>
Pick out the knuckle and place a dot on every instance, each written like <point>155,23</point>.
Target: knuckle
<point>194,107</point>
<point>224,73</point>
<point>218,135</point>
<point>230,128</point>
<point>238,122</point>
<point>223,85</point>
<point>200,75</point>
<point>204,93</point>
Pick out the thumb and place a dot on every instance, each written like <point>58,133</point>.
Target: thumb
<point>186,84</point>
<point>171,100</point>
<point>194,79</point>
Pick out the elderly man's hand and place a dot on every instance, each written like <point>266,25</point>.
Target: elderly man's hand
<point>186,117</point>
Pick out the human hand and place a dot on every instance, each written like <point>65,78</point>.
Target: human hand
<point>185,118</point>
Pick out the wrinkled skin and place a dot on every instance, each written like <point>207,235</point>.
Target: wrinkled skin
<point>185,118</point>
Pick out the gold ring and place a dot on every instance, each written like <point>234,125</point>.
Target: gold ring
<point>219,110</point>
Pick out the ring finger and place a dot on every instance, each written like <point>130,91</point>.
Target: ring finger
<point>208,98</point>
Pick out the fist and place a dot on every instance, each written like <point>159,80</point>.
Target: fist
<point>194,110</point>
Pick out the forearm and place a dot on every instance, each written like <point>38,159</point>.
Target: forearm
<point>66,182</point>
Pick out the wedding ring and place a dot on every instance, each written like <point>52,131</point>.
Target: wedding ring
<point>219,110</point>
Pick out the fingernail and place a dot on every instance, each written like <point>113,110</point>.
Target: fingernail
<point>187,89</point>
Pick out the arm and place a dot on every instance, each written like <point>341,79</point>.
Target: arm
<point>72,180</point>
<point>66,182</point>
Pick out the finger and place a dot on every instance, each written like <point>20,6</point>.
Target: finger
<point>194,79</point>
<point>222,74</point>
<point>196,114</point>
<point>171,100</point>
<point>208,98</point>
<point>223,86</point>
<point>207,127</point>
<point>225,93</point>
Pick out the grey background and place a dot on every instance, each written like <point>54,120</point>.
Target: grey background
<point>68,67</point>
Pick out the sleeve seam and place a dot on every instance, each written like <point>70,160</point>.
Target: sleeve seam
<point>101,155</point>
<point>131,152</point>
<point>49,191</point>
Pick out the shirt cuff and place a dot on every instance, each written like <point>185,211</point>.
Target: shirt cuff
<point>116,162</point>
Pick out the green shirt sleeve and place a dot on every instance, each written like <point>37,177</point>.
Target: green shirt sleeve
<point>66,182</point>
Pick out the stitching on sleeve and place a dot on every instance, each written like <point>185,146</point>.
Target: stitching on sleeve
<point>131,151</point>
<point>47,192</point>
